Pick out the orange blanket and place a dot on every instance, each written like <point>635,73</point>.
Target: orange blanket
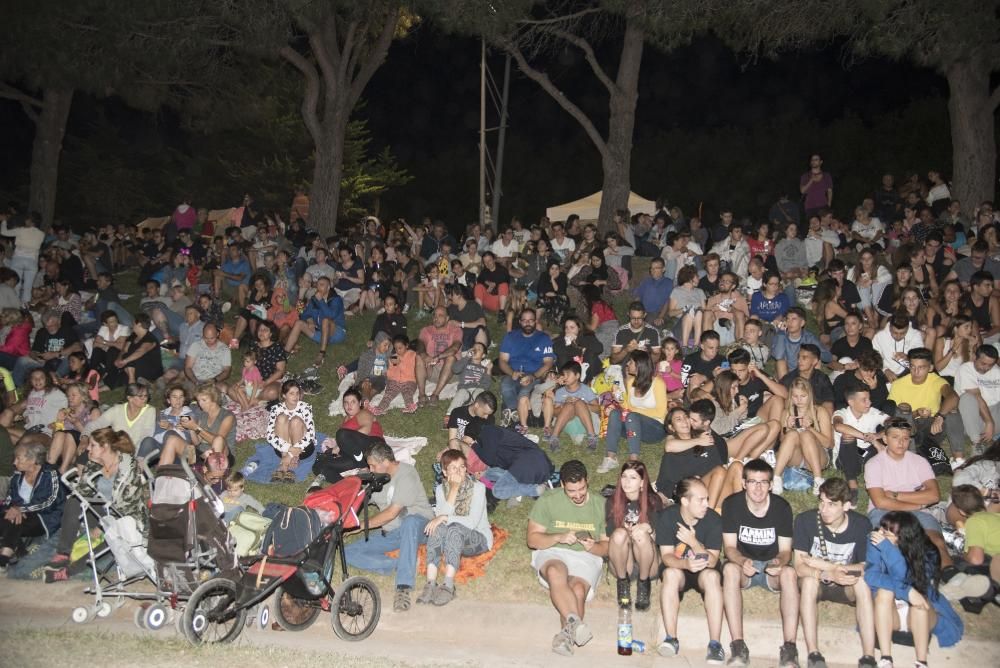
<point>471,567</point>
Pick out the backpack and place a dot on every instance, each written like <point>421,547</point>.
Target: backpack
<point>248,529</point>
<point>290,531</point>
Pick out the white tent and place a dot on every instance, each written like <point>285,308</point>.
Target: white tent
<point>588,207</point>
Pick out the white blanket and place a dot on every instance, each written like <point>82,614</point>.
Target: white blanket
<point>405,448</point>
<point>337,406</point>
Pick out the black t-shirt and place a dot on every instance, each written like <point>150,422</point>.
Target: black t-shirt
<point>648,338</point>
<point>497,276</point>
<point>391,324</point>
<point>71,269</point>
<point>471,312</point>
<point>709,287</point>
<point>849,295</point>
<point>821,386</point>
<point>842,348</point>
<point>675,466</point>
<point>754,392</point>
<point>694,363</point>
<point>632,513</point>
<point>879,395</point>
<point>466,423</point>
<point>53,343</point>
<point>708,530</point>
<point>847,547</point>
<point>757,537</point>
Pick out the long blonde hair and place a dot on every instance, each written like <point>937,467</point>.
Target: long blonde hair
<point>810,408</point>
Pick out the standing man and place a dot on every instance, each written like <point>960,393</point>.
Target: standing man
<point>757,537</point>
<point>525,358</point>
<point>816,187</point>
<point>403,513</point>
<point>689,534</point>
<point>568,541</point>
<point>830,545</point>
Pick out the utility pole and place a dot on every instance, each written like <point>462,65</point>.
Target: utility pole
<point>497,180</point>
<point>482,135</point>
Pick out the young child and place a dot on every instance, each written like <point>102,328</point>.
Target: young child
<point>670,369</point>
<point>235,499</point>
<point>401,377</point>
<point>571,399</point>
<point>473,370</point>
<point>429,289</point>
<point>373,364</point>
<point>248,392</point>
<point>759,352</point>
<point>80,372</point>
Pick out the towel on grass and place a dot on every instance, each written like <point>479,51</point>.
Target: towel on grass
<point>470,568</point>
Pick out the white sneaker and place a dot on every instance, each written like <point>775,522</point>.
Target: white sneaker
<point>769,457</point>
<point>607,464</point>
<point>817,482</point>
<point>777,485</point>
<point>226,307</point>
<point>956,462</point>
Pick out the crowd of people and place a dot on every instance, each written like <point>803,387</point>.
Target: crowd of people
<point>801,352</point>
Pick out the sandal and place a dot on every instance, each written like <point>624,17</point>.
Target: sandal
<point>320,358</point>
<point>278,476</point>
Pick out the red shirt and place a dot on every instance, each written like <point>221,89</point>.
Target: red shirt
<point>603,312</point>
<point>352,424</point>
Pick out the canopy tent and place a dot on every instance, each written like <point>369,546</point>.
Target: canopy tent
<point>589,207</point>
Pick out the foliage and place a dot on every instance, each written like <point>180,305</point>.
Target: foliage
<point>366,178</point>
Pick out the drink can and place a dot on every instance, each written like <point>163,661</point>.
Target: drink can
<point>638,646</point>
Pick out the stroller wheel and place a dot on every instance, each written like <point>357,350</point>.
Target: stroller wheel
<point>212,614</point>
<point>156,617</point>
<point>82,615</point>
<point>139,616</point>
<point>355,609</point>
<point>293,614</point>
<point>104,609</point>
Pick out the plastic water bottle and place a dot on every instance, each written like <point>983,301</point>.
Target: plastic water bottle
<point>638,646</point>
<point>624,629</point>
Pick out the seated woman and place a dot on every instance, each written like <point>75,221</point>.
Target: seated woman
<point>291,431</point>
<point>213,430</point>
<point>731,410</point>
<point>601,318</point>
<point>271,360</point>
<point>956,347</point>
<point>551,287</point>
<point>112,472</point>
<point>256,310</point>
<point>631,513</point>
<point>770,304</point>
<point>169,422</point>
<point>134,416</point>
<point>34,503</point>
<point>596,273</point>
<point>829,312</point>
<point>68,427</point>
<point>17,343</point>
<point>141,358</point>
<point>347,450</point>
<point>686,454</point>
<point>807,435</point>
<point>903,571</point>
<point>577,341</point>
<point>40,409</point>
<point>80,372</point>
<point>459,529</point>
<point>640,417</point>
<point>687,302</point>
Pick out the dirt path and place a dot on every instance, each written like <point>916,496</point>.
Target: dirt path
<point>473,633</point>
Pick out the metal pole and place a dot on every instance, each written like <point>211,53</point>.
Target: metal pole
<point>497,178</point>
<point>482,135</point>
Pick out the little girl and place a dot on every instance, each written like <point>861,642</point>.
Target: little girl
<point>80,372</point>
<point>169,422</point>
<point>401,377</point>
<point>473,372</point>
<point>235,499</point>
<point>248,392</point>
<point>670,369</point>
<point>429,289</point>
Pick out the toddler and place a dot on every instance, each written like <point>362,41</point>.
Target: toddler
<point>248,392</point>
<point>401,377</point>
<point>235,499</point>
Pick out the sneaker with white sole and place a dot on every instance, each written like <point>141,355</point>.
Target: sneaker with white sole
<point>578,630</point>
<point>963,585</point>
<point>607,464</point>
<point>669,647</point>
<point>817,483</point>
<point>562,643</point>
<point>769,457</point>
<point>777,485</point>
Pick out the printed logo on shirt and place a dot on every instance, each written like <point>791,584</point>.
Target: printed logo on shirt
<point>757,536</point>
<point>837,553</point>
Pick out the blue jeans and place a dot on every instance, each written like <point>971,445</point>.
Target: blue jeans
<point>370,555</point>
<point>26,365</point>
<point>638,429</point>
<point>506,485</point>
<point>511,390</point>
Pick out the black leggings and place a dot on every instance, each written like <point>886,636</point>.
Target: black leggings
<point>11,534</point>
<point>354,447</point>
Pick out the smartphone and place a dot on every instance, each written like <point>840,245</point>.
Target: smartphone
<point>584,535</point>
<point>798,420</point>
<point>702,555</point>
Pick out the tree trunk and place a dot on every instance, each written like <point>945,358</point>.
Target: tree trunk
<point>328,174</point>
<point>50,127</point>
<point>974,151</point>
<point>617,156</point>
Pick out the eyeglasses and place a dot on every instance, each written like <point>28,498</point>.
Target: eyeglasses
<point>758,483</point>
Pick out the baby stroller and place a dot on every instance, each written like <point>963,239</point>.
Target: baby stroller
<point>294,588</point>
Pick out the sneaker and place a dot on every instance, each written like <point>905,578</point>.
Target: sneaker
<point>58,562</point>
<point>248,469</point>
<point>427,593</point>
<point>56,575</point>
<point>669,647</point>
<point>316,484</point>
<point>578,630</point>
<point>777,485</point>
<point>817,483</point>
<point>553,442</point>
<point>962,585</point>
<point>739,654</point>
<point>769,457</point>
<point>624,592</point>
<point>607,464</point>
<point>956,462</point>
<point>410,408</point>
<point>788,656</point>
<point>514,502</point>
<point>815,660</point>
<point>444,595</point>
<point>885,662</point>
<point>401,601</point>
<point>715,656</point>
<point>554,480</point>
<point>508,416</point>
<point>562,643</point>
<point>642,591</point>
<point>592,442</point>
<point>867,661</point>
<point>406,309</point>
<point>227,307</point>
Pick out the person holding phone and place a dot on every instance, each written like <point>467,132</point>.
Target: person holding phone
<point>807,435</point>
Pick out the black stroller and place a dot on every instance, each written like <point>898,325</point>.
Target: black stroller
<point>296,588</point>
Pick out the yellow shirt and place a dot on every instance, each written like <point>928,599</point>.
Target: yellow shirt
<point>653,404</point>
<point>983,530</point>
<point>926,395</point>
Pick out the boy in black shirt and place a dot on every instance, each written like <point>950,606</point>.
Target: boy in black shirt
<point>701,367</point>
<point>830,545</point>
<point>689,535</point>
<point>809,359</point>
<point>465,422</point>
<point>757,538</point>
<point>850,346</point>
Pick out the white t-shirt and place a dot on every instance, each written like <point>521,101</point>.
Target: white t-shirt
<point>502,250</point>
<point>868,231</point>
<point>866,424</point>
<point>119,332</point>
<point>988,384</point>
<point>564,247</point>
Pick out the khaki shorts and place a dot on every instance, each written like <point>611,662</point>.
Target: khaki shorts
<point>579,564</point>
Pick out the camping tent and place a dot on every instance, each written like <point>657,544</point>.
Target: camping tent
<point>588,207</point>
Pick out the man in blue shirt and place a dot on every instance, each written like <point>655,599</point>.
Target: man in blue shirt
<point>785,350</point>
<point>654,292</point>
<point>322,320</point>
<point>525,359</point>
<point>236,272</point>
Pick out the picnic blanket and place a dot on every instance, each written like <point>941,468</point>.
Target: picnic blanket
<point>470,568</point>
<point>251,424</point>
<point>337,406</point>
<point>267,461</point>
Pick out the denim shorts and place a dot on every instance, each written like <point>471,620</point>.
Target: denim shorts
<point>759,579</point>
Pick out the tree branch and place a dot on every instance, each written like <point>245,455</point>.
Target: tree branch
<point>560,19</point>
<point>543,80</point>
<point>12,93</point>
<point>30,112</point>
<point>588,53</point>
<point>375,57</point>
<point>310,99</point>
<point>325,62</point>
<point>350,52</point>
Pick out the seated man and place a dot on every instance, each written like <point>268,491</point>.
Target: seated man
<point>403,513</point>
<point>493,286</point>
<point>689,535</point>
<point>898,479</point>
<point>570,399</point>
<point>468,315</point>
<point>787,343</point>
<point>808,368</point>
<point>931,402</point>
<point>654,292</point>
<point>442,343</point>
<point>568,542</point>
<point>830,545</point>
<point>978,387</point>
<point>636,335</point>
<point>208,360</point>
<point>855,433</point>
<point>50,349</point>
<point>893,342</point>
<point>234,274</point>
<point>322,320</point>
<point>757,538</point>
<point>982,542</point>
<point>466,422</point>
<point>704,364</point>
<point>867,374</point>
<point>525,359</point>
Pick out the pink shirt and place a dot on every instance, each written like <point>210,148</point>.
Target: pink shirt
<point>908,475</point>
<point>436,341</point>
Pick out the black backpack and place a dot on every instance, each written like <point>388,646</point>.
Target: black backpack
<point>291,530</point>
